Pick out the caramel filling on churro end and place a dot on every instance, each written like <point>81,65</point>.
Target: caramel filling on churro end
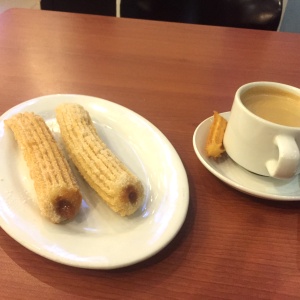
<point>130,194</point>
<point>133,197</point>
<point>64,208</point>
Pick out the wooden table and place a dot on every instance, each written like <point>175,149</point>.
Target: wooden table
<point>231,246</point>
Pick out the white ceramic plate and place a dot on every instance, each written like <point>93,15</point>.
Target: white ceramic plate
<point>239,178</point>
<point>97,238</point>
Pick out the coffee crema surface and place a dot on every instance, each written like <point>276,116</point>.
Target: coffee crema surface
<point>274,105</point>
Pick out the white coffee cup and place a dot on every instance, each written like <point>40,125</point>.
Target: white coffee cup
<point>263,130</point>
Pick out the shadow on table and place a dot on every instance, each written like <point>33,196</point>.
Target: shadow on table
<point>286,208</point>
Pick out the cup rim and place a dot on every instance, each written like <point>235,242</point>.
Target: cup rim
<point>282,86</point>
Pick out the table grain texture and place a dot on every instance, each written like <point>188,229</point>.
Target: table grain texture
<point>231,245</point>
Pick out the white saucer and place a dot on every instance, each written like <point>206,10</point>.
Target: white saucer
<point>97,238</point>
<point>239,178</point>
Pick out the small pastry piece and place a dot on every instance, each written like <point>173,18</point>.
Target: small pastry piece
<point>58,195</point>
<point>103,171</point>
<point>214,143</point>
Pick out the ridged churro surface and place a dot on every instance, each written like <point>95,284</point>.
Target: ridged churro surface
<point>103,171</point>
<point>58,194</point>
<point>214,143</point>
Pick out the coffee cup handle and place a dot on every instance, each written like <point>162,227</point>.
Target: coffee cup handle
<point>288,159</point>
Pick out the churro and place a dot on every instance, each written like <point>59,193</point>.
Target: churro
<point>58,195</point>
<point>214,143</point>
<point>102,170</point>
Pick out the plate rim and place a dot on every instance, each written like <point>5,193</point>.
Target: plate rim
<point>183,189</point>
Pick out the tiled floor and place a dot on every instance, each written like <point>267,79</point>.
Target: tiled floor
<point>7,4</point>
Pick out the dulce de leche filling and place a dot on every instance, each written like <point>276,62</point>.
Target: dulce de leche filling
<point>64,208</point>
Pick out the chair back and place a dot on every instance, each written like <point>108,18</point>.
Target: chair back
<point>254,14</point>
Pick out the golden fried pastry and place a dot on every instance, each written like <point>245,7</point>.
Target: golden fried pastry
<point>58,195</point>
<point>214,143</point>
<point>103,171</point>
